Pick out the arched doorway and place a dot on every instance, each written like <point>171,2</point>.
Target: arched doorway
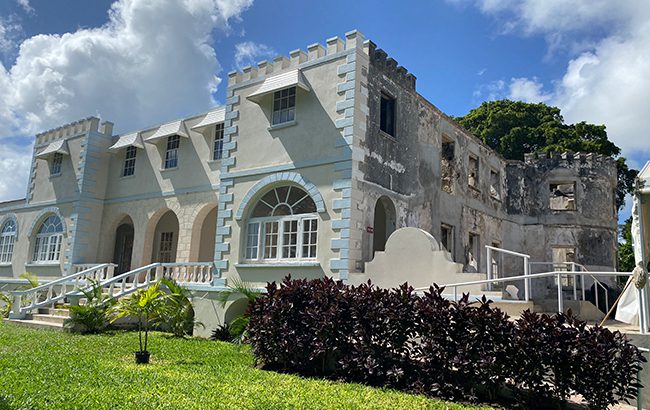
<point>165,239</point>
<point>384,223</point>
<point>123,250</point>
<point>203,235</point>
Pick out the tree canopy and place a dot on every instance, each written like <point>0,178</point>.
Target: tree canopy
<point>514,128</point>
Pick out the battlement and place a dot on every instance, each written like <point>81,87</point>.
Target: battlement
<point>380,59</point>
<point>333,45</point>
<point>568,158</point>
<point>90,124</point>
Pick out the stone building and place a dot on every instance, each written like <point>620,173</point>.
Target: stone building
<point>314,160</point>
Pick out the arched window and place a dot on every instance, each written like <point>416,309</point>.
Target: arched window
<point>47,244</point>
<point>7,240</point>
<point>282,226</point>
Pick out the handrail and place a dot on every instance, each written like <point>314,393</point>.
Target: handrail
<point>509,252</point>
<point>64,279</point>
<point>31,296</point>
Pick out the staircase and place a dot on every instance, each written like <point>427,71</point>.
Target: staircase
<point>46,306</point>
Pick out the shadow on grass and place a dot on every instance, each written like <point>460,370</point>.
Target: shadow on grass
<point>3,404</point>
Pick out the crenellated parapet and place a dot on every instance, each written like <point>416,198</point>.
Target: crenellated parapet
<point>390,67</point>
<point>90,124</point>
<point>313,54</point>
<point>568,159</point>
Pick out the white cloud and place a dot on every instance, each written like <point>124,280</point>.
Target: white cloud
<point>14,167</point>
<point>10,29</point>
<point>249,53</point>
<point>152,61</point>
<point>528,90</point>
<point>606,80</point>
<point>25,5</point>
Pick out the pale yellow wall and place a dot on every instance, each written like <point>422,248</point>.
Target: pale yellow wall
<point>195,171</point>
<point>312,138</point>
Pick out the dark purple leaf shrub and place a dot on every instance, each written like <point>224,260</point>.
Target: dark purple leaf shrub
<point>377,351</point>
<point>430,345</point>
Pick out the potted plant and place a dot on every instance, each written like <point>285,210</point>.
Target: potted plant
<point>148,307</point>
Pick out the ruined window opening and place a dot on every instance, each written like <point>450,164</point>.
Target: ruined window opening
<point>387,115</point>
<point>473,252</point>
<point>472,172</point>
<point>562,196</point>
<point>55,166</point>
<point>495,184</point>
<point>563,259</point>
<point>284,106</point>
<point>447,160</point>
<point>497,261</point>
<point>447,238</point>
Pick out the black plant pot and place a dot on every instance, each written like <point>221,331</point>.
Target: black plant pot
<point>142,357</point>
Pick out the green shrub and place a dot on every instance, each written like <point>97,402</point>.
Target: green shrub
<point>92,316</point>
<point>179,317</point>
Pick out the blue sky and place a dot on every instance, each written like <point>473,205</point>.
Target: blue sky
<point>154,60</point>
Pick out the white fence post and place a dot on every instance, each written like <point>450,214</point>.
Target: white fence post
<point>560,302</point>
<point>489,266</point>
<point>526,281</point>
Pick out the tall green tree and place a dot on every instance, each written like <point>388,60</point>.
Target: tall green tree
<point>515,128</point>
<point>625,250</point>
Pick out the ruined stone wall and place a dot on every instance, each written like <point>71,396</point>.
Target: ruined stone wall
<point>436,173</point>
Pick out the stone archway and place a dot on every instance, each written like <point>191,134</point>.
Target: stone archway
<point>203,234</point>
<point>165,238</point>
<point>384,225</point>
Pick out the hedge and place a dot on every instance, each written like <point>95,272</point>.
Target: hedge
<point>430,345</point>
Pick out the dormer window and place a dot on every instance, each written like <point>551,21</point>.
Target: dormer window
<point>129,161</point>
<point>171,153</point>
<point>55,165</point>
<point>217,150</point>
<point>284,106</point>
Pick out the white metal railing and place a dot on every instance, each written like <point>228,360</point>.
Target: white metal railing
<point>51,292</point>
<point>556,274</point>
<point>71,286</point>
<point>526,258</point>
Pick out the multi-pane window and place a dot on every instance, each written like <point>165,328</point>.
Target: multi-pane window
<point>171,153</point>
<point>283,226</point>
<point>129,161</point>
<point>7,240</point>
<point>217,150</point>
<point>48,240</point>
<point>387,114</point>
<point>166,247</point>
<point>55,166</point>
<point>284,106</point>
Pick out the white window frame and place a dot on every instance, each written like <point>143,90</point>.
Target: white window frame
<point>47,245</point>
<point>56,165</point>
<point>130,155</point>
<point>290,110</point>
<point>261,245</point>
<point>7,241</point>
<point>171,154</point>
<point>217,148</point>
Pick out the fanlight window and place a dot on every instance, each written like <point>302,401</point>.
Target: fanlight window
<point>47,244</point>
<point>283,226</point>
<point>7,240</point>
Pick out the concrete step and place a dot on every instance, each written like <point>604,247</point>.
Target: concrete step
<point>34,324</point>
<point>60,311</point>
<point>57,320</point>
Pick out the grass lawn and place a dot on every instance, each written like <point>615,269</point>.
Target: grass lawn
<point>42,369</point>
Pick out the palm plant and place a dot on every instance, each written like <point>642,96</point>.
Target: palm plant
<point>7,302</point>
<point>239,324</point>
<point>179,315</point>
<point>148,306</point>
<point>91,316</point>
